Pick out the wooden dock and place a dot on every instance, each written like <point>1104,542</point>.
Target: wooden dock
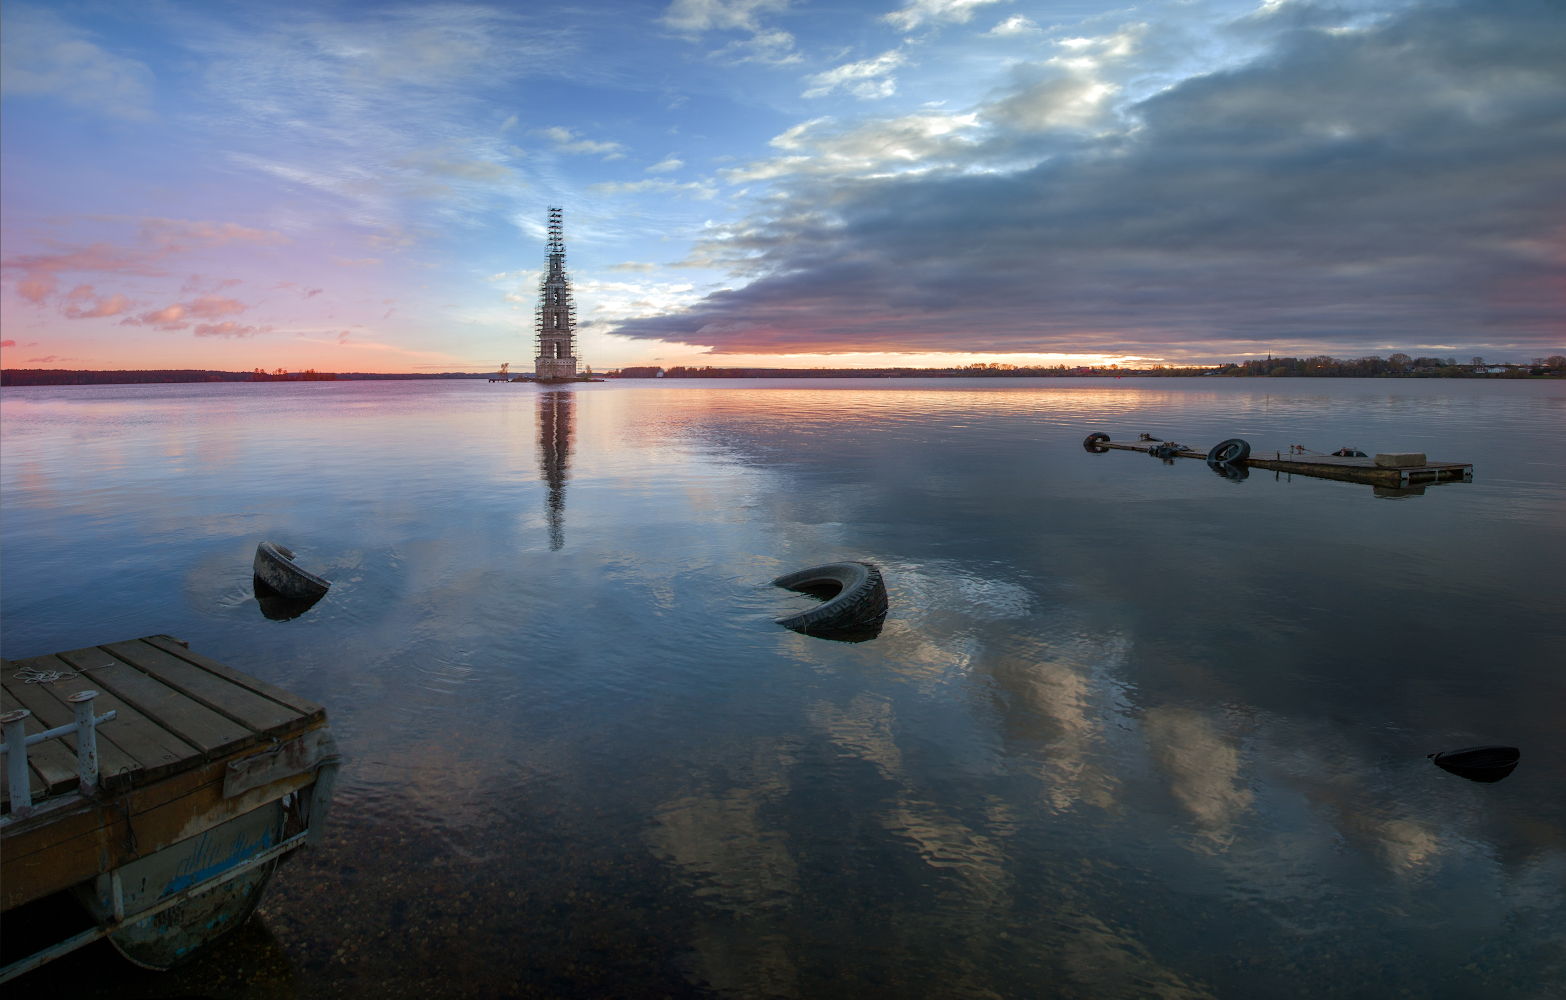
<point>1364,470</point>
<point>1357,469</point>
<point>201,781</point>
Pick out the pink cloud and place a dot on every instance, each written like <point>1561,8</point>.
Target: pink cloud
<point>212,307</point>
<point>195,281</point>
<point>97,257</point>
<point>229,328</point>
<point>178,233</point>
<point>35,288</point>
<point>168,318</point>
<point>163,238</point>
<point>307,293</point>
<point>7,343</point>
<point>179,315</point>
<point>101,305</point>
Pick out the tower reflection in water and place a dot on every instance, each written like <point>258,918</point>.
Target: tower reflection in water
<point>554,460</point>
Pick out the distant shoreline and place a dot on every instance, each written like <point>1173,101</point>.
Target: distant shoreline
<point>18,377</point>
<point>61,376</point>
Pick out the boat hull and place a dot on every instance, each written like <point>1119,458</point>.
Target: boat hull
<point>172,936</point>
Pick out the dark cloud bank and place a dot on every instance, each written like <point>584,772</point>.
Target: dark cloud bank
<point>1400,187</point>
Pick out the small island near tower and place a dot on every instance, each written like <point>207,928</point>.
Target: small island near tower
<point>555,317</point>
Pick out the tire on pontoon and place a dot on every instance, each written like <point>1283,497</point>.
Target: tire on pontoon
<point>1091,443</point>
<point>859,606</point>
<point>1229,452</point>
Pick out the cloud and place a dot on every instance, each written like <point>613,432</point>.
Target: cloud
<point>634,265</point>
<point>607,303</point>
<point>918,142</point>
<point>7,343</point>
<point>1014,25</point>
<point>174,235</point>
<point>1393,183</point>
<point>566,141</point>
<point>354,262</point>
<point>931,11</point>
<point>37,287</point>
<point>764,45</point>
<point>229,328</point>
<point>82,302</point>
<point>444,163</point>
<point>161,239</point>
<point>102,257</point>
<point>179,315</point>
<point>866,79</point>
<point>694,189</point>
<point>665,166</point>
<point>42,56</point>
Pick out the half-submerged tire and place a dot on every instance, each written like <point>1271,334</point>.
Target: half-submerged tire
<point>1229,452</point>
<point>275,567</point>
<point>854,614</point>
<point>1091,443</point>
<point>1486,763</point>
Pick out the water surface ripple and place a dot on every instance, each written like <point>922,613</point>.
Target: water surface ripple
<point>1131,729</point>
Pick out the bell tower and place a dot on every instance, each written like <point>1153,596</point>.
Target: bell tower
<point>555,318</point>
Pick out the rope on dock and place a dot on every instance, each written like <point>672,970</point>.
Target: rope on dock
<point>31,675</point>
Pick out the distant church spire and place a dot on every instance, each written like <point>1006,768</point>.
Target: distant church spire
<point>555,318</point>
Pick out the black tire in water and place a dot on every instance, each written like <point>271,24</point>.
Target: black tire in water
<point>1091,443</point>
<point>1230,451</point>
<point>859,605</point>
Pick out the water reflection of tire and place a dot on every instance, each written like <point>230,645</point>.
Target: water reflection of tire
<point>1091,443</point>
<point>855,611</point>
<point>1229,452</point>
<point>1233,473</point>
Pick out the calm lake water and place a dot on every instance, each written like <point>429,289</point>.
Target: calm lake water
<point>1131,729</point>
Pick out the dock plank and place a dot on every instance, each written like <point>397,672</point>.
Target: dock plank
<point>54,764</point>
<point>191,722</point>
<point>304,706</point>
<point>158,750</point>
<point>219,694</point>
<point>115,766</point>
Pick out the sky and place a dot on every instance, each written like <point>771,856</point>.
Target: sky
<point>781,183</point>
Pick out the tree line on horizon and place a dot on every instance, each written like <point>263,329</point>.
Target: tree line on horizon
<point>1316,366</point>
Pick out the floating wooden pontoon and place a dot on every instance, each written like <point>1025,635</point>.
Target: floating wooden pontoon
<point>166,813</point>
<point>1355,469</point>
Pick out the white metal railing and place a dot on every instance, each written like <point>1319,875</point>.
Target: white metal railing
<point>84,729</point>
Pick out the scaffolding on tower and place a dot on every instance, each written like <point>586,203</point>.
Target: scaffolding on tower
<point>554,320</point>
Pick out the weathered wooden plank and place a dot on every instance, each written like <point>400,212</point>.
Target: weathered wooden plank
<point>193,723</point>
<point>217,693</point>
<point>54,764</point>
<point>304,706</point>
<point>48,705</point>
<point>39,858</point>
<point>159,751</point>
